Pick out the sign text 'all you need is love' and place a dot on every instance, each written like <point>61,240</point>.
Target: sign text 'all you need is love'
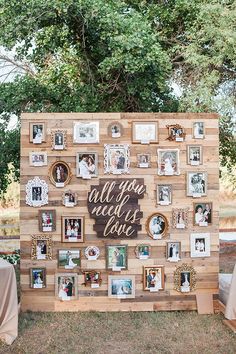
<point>114,206</point>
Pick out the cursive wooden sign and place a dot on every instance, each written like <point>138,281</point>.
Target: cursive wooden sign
<point>114,206</point>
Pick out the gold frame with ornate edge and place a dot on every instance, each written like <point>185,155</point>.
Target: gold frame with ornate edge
<point>53,138</point>
<point>163,233</point>
<point>175,223</point>
<point>177,276</point>
<point>48,239</point>
<point>52,179</point>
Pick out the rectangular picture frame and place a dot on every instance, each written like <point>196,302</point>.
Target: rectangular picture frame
<point>202,213</point>
<point>38,278</point>
<point>121,286</point>
<point>72,228</point>
<point>153,278</point>
<point>145,132</point>
<point>196,184</point>
<point>69,258</point>
<point>37,132</point>
<point>86,132</point>
<point>38,158</point>
<point>47,220</point>
<point>198,130</point>
<point>194,155</point>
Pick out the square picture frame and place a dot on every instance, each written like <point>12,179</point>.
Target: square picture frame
<point>173,251</point>
<point>143,251</point>
<point>38,278</point>
<point>196,184</point>
<point>145,132</point>
<point>176,133</point>
<point>121,286</point>
<point>116,158</point>
<point>59,139</point>
<point>47,220</point>
<point>37,132</point>
<point>194,155</point>
<point>144,160</point>
<point>38,158</point>
<point>72,228</point>
<point>200,245</point>
<point>202,213</point>
<point>69,258</point>
<point>85,132</point>
<point>198,130</point>
<point>168,162</point>
<point>164,194</point>
<point>92,278</point>
<point>69,198</point>
<point>153,278</point>
<point>41,247</point>
<point>116,257</point>
<point>66,286</point>
<point>87,164</point>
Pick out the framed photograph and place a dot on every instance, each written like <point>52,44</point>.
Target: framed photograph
<point>92,278</point>
<point>72,228</point>
<point>194,155</point>
<point>121,286</point>
<point>157,226</point>
<point>69,199</point>
<point>175,132</point>
<point>144,132</point>
<point>59,139</point>
<point>164,194</point>
<point>196,184</point>
<point>143,160</point>
<point>86,164</point>
<point>116,158</point>
<point>116,257</point>
<point>180,218</point>
<point>38,158</point>
<point>200,245</point>
<point>36,192</point>
<point>198,130</point>
<point>184,278</point>
<point>60,174</point>
<point>115,130</point>
<point>47,220</point>
<point>41,247</point>
<point>202,214</point>
<point>153,278</point>
<point>92,253</point>
<point>168,162</point>
<point>66,286</point>
<point>37,132</point>
<point>37,278</point>
<point>86,132</point>
<point>69,258</point>
<point>173,251</point>
<point>143,251</point>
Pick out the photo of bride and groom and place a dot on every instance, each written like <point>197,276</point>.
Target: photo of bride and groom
<point>66,289</point>
<point>41,249</point>
<point>69,259</point>
<point>173,251</point>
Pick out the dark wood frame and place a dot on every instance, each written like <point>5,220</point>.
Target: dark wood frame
<point>31,124</point>
<point>177,126</point>
<point>89,282</point>
<point>54,220</point>
<point>63,218</point>
<point>126,256</point>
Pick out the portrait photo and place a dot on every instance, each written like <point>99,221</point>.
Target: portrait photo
<point>47,220</point>
<point>92,278</point>
<point>184,278</point>
<point>198,130</point>
<point>66,286</point>
<point>36,192</point>
<point>157,226</point>
<point>121,286</point>
<point>143,251</point>
<point>115,130</point>
<point>153,278</point>
<point>175,132</point>
<point>41,247</point>
<point>86,164</point>
<point>92,253</point>
<point>116,257</point>
<point>69,199</point>
<point>194,155</point>
<point>72,228</point>
<point>164,194</point>
<point>196,184</point>
<point>200,245</point>
<point>180,218</point>
<point>202,213</point>
<point>173,251</point>
<point>59,139</point>
<point>86,132</point>
<point>37,132</point>
<point>60,174</point>
<point>144,132</point>
<point>143,160</point>
<point>37,278</point>
<point>38,159</point>
<point>168,162</point>
<point>69,258</point>
<point>116,158</point>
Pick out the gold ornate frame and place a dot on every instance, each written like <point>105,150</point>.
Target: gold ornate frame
<point>177,276</point>
<point>164,232</point>
<point>53,137</point>
<point>175,212</point>
<point>69,174</point>
<point>48,239</point>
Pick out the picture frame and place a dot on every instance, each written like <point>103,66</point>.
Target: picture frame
<point>92,253</point>
<point>86,164</point>
<point>37,132</point>
<point>143,251</point>
<point>69,198</point>
<point>176,133</point>
<point>168,162</point>
<point>66,286</point>
<point>196,184</point>
<point>198,130</point>
<point>180,218</point>
<point>116,158</point>
<point>69,258</point>
<point>72,228</point>
<point>164,194</point>
<point>41,247</point>
<point>184,278</point>
<point>173,251</point>
<point>85,132</point>
<point>38,158</point>
<point>115,130</point>
<point>157,226</point>
<point>116,257</point>
<point>60,174</point>
<point>121,286</point>
<point>38,278</point>
<point>92,278</point>
<point>59,139</point>
<point>153,278</point>
<point>36,192</point>
<point>144,160</point>
<point>200,245</point>
<point>145,132</point>
<point>47,220</point>
<point>194,155</point>
<point>202,213</point>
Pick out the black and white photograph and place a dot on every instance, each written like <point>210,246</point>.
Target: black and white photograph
<point>86,132</point>
<point>198,130</point>
<point>196,184</point>
<point>185,282</point>
<point>69,199</point>
<point>168,162</point>
<point>36,192</point>
<point>87,165</point>
<point>194,155</point>
<point>66,286</point>
<point>173,251</point>
<point>157,226</point>
<point>121,286</point>
<point>200,245</point>
<point>59,139</point>
<point>60,174</point>
<point>37,133</point>
<point>143,160</point>
<point>38,159</point>
<point>115,130</point>
<point>180,218</point>
<point>164,194</point>
<point>116,158</point>
<point>175,132</point>
<point>202,213</point>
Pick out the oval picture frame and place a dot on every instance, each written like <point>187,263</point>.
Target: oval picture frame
<point>115,130</point>
<point>156,230</point>
<point>60,174</point>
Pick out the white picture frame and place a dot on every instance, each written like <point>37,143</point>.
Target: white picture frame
<point>38,158</point>
<point>86,132</point>
<point>200,245</point>
<point>86,164</point>
<point>36,192</point>
<point>116,158</point>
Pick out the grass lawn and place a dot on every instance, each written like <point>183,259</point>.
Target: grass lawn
<point>126,333</point>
